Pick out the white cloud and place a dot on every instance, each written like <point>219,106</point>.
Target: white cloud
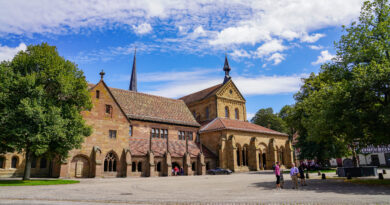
<point>270,47</point>
<point>268,85</point>
<point>142,28</point>
<point>313,38</point>
<point>276,58</point>
<point>324,57</point>
<point>316,47</point>
<point>239,53</point>
<point>7,53</point>
<point>196,26</point>
<point>258,85</point>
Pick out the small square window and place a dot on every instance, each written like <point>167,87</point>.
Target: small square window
<point>112,134</point>
<point>108,109</point>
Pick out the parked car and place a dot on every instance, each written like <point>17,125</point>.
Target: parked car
<point>219,171</point>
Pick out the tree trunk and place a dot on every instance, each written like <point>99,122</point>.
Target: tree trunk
<point>27,168</point>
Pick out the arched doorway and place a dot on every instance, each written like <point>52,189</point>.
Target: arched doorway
<point>264,160</point>
<point>80,166</point>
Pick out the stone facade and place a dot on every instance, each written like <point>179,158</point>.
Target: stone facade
<point>136,134</point>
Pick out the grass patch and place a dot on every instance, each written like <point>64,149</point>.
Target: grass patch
<point>384,182</point>
<point>36,182</point>
<point>315,171</point>
<point>323,171</point>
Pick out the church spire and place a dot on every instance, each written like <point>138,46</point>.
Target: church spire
<point>133,78</point>
<point>227,69</point>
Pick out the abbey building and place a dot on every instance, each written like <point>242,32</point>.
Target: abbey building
<point>137,134</point>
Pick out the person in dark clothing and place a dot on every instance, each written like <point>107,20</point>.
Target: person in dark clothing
<point>302,174</point>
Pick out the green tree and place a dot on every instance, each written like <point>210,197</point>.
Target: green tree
<point>346,106</point>
<point>267,118</point>
<point>41,99</point>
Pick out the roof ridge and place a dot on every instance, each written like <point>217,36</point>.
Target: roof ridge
<point>146,94</point>
<point>201,90</point>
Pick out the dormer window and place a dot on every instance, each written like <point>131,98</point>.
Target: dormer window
<point>97,94</point>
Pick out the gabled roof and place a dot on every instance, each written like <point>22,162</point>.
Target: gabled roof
<point>228,124</point>
<point>177,148</point>
<point>200,95</point>
<point>141,106</point>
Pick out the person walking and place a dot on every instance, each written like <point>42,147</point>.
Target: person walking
<point>302,174</point>
<point>277,174</point>
<point>294,175</point>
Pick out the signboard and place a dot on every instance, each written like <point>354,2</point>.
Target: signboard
<point>377,149</point>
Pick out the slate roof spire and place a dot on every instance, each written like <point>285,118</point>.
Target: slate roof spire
<point>133,78</point>
<point>227,69</point>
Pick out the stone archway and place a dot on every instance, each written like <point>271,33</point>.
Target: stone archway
<point>262,155</point>
<point>80,166</point>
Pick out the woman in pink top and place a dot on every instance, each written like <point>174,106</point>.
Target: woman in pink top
<point>277,174</point>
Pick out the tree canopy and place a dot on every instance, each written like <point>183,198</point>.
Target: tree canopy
<point>267,118</point>
<point>346,105</point>
<point>41,99</point>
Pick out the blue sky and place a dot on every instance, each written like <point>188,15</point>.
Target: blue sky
<point>181,45</point>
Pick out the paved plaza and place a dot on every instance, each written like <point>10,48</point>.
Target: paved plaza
<point>242,188</point>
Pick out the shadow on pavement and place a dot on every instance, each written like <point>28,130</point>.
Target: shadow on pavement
<point>332,186</point>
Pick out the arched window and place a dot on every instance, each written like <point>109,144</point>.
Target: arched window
<point>43,163</point>
<point>133,167</point>
<point>14,162</point>
<point>227,112</point>
<point>2,162</point>
<point>236,113</point>
<point>158,167</point>
<point>110,162</point>
<point>139,166</point>
<point>207,114</point>
<point>193,166</point>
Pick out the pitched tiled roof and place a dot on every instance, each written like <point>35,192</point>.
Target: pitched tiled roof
<point>141,106</point>
<point>177,148</point>
<point>200,95</point>
<point>229,124</point>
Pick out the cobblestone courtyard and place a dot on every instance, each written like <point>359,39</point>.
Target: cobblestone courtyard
<point>245,188</point>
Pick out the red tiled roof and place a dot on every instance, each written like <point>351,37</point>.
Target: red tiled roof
<point>177,148</point>
<point>229,124</point>
<point>141,106</point>
<point>200,95</point>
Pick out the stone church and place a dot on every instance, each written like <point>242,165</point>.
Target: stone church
<point>137,134</point>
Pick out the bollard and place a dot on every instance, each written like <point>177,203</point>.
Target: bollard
<point>319,173</point>
<point>323,176</point>
<point>307,175</point>
<point>384,171</point>
<point>349,176</point>
<point>380,176</point>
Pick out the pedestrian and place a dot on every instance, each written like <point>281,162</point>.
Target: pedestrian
<point>176,170</point>
<point>281,178</point>
<point>181,171</point>
<point>302,174</point>
<point>277,174</point>
<point>294,176</point>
